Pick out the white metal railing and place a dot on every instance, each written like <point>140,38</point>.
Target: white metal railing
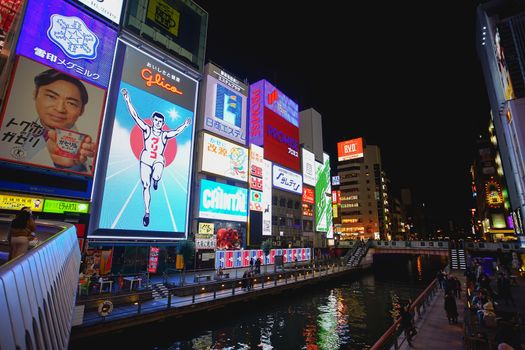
<point>38,292</point>
<point>431,245</point>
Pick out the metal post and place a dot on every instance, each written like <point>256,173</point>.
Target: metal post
<point>193,296</point>
<point>169,299</point>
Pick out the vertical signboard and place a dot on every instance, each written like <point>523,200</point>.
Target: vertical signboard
<point>226,104</point>
<point>147,178</point>
<point>323,204</point>
<point>153,260</point>
<point>308,159</point>
<point>55,104</point>
<point>256,177</point>
<point>267,198</point>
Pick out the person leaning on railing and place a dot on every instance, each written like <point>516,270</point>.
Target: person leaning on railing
<point>21,232</point>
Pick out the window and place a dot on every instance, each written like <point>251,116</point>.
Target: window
<point>274,200</point>
<point>367,181</point>
<point>297,205</point>
<point>289,203</point>
<point>282,202</point>
<point>282,221</point>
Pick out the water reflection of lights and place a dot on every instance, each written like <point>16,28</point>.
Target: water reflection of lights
<point>419,267</point>
<point>327,322</point>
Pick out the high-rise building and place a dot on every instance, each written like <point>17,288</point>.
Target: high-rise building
<point>364,205</point>
<point>501,48</point>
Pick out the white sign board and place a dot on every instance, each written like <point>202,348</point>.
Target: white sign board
<point>287,180</point>
<point>309,168</point>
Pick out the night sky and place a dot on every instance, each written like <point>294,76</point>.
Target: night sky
<point>410,84</point>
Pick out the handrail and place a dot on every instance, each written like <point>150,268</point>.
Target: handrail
<point>421,300</point>
<point>37,292</point>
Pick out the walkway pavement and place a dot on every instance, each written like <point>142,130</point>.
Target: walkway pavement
<point>434,331</point>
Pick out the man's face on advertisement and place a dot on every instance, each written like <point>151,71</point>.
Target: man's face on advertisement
<point>158,123</point>
<point>58,104</point>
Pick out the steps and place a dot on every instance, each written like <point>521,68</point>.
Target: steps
<point>159,291</point>
<point>458,259</point>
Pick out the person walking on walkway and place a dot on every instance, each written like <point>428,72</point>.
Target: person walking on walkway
<point>451,308</point>
<point>407,324</point>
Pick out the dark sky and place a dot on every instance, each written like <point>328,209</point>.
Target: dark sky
<point>405,77</point>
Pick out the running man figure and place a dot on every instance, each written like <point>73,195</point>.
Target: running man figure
<point>152,157</point>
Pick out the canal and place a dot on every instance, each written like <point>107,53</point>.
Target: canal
<point>344,314</point>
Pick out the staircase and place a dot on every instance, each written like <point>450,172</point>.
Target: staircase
<point>159,291</point>
<point>457,259</point>
<point>356,257</point>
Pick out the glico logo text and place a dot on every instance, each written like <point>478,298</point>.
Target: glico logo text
<point>293,144</point>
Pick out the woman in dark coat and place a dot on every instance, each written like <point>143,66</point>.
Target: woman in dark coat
<point>451,308</point>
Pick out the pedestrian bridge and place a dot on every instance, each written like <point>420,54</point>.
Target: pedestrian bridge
<point>410,247</point>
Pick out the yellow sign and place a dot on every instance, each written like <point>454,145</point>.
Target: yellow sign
<point>17,203</point>
<point>206,228</point>
<point>164,15</point>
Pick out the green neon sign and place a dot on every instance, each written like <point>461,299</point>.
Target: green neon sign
<point>60,207</point>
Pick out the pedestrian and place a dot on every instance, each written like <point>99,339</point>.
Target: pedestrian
<point>251,264</point>
<point>258,266</point>
<point>440,278</point>
<point>22,231</point>
<point>407,324</point>
<point>451,308</point>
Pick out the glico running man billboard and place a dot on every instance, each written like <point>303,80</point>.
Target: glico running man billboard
<point>226,104</point>
<point>147,178</point>
<point>56,99</point>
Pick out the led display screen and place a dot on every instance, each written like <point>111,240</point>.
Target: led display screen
<point>267,198</point>
<point>350,149</point>
<point>224,158</point>
<point>281,141</point>
<point>147,178</point>
<point>57,126</point>
<point>60,207</point>
<point>308,195</point>
<point>61,36</point>
<point>276,101</point>
<point>226,105</point>
<point>223,202</point>
<point>256,177</point>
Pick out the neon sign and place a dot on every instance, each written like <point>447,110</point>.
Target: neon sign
<point>157,80</point>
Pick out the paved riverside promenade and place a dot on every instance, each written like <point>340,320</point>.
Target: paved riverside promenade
<point>433,330</point>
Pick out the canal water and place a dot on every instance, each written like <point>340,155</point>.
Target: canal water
<point>344,314</point>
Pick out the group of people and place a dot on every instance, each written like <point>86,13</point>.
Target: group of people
<point>452,288</point>
<point>21,233</point>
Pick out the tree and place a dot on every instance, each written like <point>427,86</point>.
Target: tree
<point>187,250</point>
<point>266,246</point>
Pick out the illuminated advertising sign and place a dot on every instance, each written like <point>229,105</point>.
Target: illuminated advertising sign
<point>256,180</point>
<point>229,234</point>
<point>41,133</point>
<point>504,73</point>
<point>308,159</point>
<point>326,172</point>
<point>60,207</point>
<point>242,258</point>
<point>226,105</point>
<point>8,202</point>
<point>109,9</point>
<point>350,149</point>
<point>287,180</point>
<point>281,141</point>
<point>308,195</point>
<point>336,180</point>
<point>256,200</point>
<point>153,260</point>
<point>61,36</point>
<point>223,202</point>
<point>164,16</point>
<point>224,158</point>
<point>267,198</point>
<point>147,178</point>
<point>206,228</point>
<point>308,210</point>
<point>275,100</point>
<point>323,203</point>
<point>205,241</point>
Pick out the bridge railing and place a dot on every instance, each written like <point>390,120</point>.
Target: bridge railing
<point>430,245</point>
<point>394,336</point>
<point>38,291</point>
